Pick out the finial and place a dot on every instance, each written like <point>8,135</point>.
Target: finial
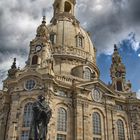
<point>43,14</point>
<point>115,47</point>
<point>44,19</point>
<point>14,64</point>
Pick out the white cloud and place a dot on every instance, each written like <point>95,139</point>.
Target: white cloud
<point>138,55</point>
<point>134,43</point>
<point>138,93</point>
<point>130,41</point>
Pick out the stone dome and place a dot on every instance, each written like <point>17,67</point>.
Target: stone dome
<point>71,45</point>
<point>68,35</point>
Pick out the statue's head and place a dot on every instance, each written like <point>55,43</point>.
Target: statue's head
<point>41,98</point>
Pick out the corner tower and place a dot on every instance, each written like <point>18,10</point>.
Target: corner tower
<point>118,73</point>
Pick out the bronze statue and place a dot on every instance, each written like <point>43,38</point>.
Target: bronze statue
<point>40,119</point>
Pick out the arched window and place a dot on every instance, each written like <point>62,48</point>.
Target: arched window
<point>34,60</point>
<point>67,7</point>
<point>121,132</point>
<point>96,126</point>
<point>80,42</point>
<point>87,74</point>
<point>61,124</point>
<point>27,118</point>
<point>62,120</point>
<point>27,115</point>
<point>119,85</point>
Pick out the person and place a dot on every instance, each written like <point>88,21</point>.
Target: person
<point>40,118</point>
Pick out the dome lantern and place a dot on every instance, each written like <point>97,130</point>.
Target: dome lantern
<point>63,8</point>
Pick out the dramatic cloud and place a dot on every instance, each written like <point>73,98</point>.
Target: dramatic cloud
<point>131,42</point>
<point>109,21</point>
<point>18,23</point>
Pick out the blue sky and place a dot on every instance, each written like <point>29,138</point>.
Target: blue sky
<point>108,21</point>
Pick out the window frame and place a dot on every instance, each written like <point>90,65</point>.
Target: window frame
<point>62,122</point>
<point>119,86</point>
<point>61,136</point>
<point>25,129</point>
<point>34,59</point>
<point>87,73</point>
<point>97,129</point>
<point>79,41</point>
<point>121,130</point>
<point>31,87</point>
<point>97,125</point>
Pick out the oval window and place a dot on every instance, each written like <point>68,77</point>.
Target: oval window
<point>30,84</point>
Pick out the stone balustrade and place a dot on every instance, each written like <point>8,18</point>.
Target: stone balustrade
<point>73,51</point>
<point>64,79</point>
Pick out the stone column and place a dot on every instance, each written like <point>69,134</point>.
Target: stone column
<point>12,123</point>
<point>78,119</point>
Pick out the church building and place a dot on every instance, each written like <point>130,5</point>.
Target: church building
<point>62,67</point>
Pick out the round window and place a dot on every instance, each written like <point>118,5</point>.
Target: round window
<point>30,84</point>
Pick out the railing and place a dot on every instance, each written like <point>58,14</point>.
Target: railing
<point>67,79</point>
<point>64,79</point>
<point>70,50</point>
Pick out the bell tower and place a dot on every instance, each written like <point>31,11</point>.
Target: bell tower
<point>40,49</point>
<point>118,73</point>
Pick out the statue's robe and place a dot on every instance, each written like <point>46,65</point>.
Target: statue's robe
<point>40,118</point>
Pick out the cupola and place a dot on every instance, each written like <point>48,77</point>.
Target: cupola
<point>63,9</point>
<point>64,6</point>
<point>42,30</point>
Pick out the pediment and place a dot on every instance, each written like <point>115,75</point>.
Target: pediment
<point>97,84</point>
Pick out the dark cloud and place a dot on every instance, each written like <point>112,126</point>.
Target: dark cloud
<point>109,21</point>
<point>18,23</point>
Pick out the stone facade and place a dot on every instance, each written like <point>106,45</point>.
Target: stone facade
<point>62,67</point>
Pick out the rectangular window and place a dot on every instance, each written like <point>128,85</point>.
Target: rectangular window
<point>61,137</point>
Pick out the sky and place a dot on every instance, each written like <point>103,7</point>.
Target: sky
<point>108,21</point>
